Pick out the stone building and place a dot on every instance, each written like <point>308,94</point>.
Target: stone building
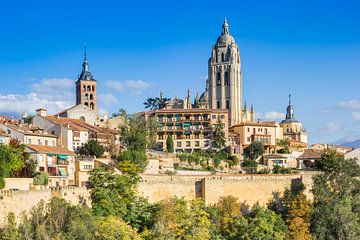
<point>224,76</point>
<point>190,129</point>
<point>292,128</point>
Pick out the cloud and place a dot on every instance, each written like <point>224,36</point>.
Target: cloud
<point>350,104</point>
<point>356,116</point>
<point>135,86</point>
<point>330,127</point>
<point>270,115</point>
<point>107,99</point>
<point>53,94</point>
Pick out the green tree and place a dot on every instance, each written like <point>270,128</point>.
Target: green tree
<point>249,165</point>
<point>41,179</point>
<point>179,219</point>
<point>137,157</point>
<point>112,228</point>
<point>156,103</point>
<point>169,144</point>
<point>121,112</point>
<point>151,124</point>
<point>254,150</point>
<point>218,140</point>
<point>134,134</point>
<point>29,119</point>
<point>336,204</point>
<point>92,148</point>
<point>10,231</point>
<point>11,160</point>
<point>284,145</point>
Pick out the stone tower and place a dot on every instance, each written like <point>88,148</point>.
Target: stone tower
<point>86,87</point>
<point>225,83</point>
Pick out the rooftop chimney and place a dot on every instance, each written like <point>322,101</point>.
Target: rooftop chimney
<point>41,112</point>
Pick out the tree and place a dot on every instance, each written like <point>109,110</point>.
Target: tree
<point>134,134</point>
<point>249,165</point>
<point>112,228</point>
<point>134,156</point>
<point>41,179</point>
<point>284,146</point>
<point>121,112</point>
<point>218,136</point>
<point>156,103</point>
<point>92,148</point>
<point>29,119</point>
<point>11,160</point>
<point>10,231</point>
<point>151,125</point>
<point>179,219</point>
<point>336,205</point>
<point>169,144</point>
<point>254,150</point>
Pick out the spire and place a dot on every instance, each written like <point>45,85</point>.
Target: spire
<point>225,27</point>
<point>161,95</point>
<point>289,99</point>
<point>290,110</point>
<point>85,73</point>
<point>252,108</point>
<point>85,53</point>
<point>245,107</point>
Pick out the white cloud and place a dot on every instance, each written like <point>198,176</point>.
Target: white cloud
<point>330,127</point>
<point>53,94</point>
<point>107,99</point>
<point>135,86</point>
<point>270,115</point>
<point>356,116</point>
<point>351,104</point>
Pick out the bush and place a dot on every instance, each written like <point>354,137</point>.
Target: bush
<point>278,169</point>
<point>41,179</point>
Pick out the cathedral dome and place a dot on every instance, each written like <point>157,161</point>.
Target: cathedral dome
<point>225,38</point>
<point>204,98</point>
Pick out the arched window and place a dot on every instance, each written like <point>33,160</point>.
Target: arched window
<point>223,57</point>
<point>82,118</point>
<point>86,104</point>
<point>86,96</point>
<point>218,79</point>
<point>227,79</point>
<point>84,88</point>
<point>92,105</point>
<point>91,96</point>
<point>88,88</point>
<point>227,104</point>
<point>93,88</point>
<point>218,104</point>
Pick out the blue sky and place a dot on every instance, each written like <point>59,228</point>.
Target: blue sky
<point>310,49</point>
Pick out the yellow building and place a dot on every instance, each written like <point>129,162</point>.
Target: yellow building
<point>292,128</point>
<point>83,166</point>
<point>190,129</point>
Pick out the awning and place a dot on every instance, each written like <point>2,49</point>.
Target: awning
<point>62,172</point>
<point>63,157</point>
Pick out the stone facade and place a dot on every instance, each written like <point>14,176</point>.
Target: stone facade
<point>225,77</point>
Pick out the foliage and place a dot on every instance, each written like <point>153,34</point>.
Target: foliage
<point>29,119</point>
<point>41,179</point>
<point>112,228</point>
<point>254,150</point>
<point>179,219</point>
<point>92,148</point>
<point>156,103</point>
<point>10,232</point>
<point>135,157</point>
<point>11,160</point>
<point>218,140</point>
<point>278,169</point>
<point>169,144</point>
<point>336,205</point>
<point>284,146</point>
<point>233,161</point>
<point>134,134</point>
<point>120,113</point>
<point>249,165</point>
<point>151,125</point>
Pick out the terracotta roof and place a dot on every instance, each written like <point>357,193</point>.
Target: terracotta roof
<point>3,133</point>
<point>49,149</point>
<point>75,124</point>
<point>26,129</point>
<point>310,154</point>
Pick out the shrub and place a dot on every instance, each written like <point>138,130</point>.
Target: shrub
<point>41,179</point>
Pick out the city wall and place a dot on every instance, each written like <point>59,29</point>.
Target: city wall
<point>249,189</point>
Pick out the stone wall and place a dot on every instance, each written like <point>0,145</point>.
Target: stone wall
<point>22,201</point>
<point>18,183</point>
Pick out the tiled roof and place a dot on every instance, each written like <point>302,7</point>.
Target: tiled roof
<point>74,123</point>
<point>49,149</point>
<point>26,129</point>
<point>310,154</point>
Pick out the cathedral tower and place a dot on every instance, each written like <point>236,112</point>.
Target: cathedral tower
<point>225,83</point>
<point>86,87</point>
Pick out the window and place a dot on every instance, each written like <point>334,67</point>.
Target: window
<point>91,97</point>
<point>227,79</point>
<point>87,167</point>
<point>213,116</point>
<point>46,142</point>
<point>92,105</point>
<point>93,88</point>
<point>29,141</point>
<point>248,139</point>
<point>39,142</point>
<point>218,79</point>
<point>41,169</point>
<point>222,57</point>
<point>227,104</point>
<point>218,104</point>
<point>84,88</point>
<point>53,143</point>
<point>178,144</point>
<point>9,131</point>
<point>248,129</point>
<point>188,144</point>
<point>197,144</point>
<point>266,131</point>
<point>86,96</point>
<point>196,117</point>
<point>89,88</point>
<point>222,116</point>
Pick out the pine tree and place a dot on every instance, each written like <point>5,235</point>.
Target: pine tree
<point>218,136</point>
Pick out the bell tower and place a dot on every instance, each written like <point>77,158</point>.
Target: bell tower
<point>224,74</point>
<point>86,87</point>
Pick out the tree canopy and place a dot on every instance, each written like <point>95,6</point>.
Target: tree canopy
<point>92,148</point>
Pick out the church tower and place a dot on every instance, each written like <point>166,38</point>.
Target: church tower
<point>86,87</point>
<point>225,82</point>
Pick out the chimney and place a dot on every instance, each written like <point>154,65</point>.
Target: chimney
<point>41,112</point>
